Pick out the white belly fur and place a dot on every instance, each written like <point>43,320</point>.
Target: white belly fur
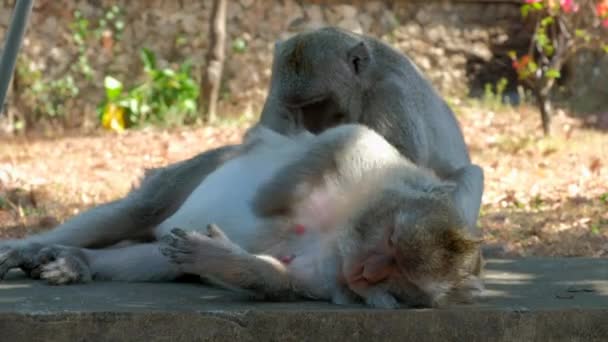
<point>224,197</point>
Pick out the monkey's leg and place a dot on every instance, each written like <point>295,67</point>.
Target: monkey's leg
<point>214,255</point>
<point>467,195</point>
<point>60,265</point>
<point>132,217</point>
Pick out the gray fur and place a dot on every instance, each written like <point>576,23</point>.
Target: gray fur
<point>314,87</point>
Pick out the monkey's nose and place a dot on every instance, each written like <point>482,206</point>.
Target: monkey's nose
<point>378,269</point>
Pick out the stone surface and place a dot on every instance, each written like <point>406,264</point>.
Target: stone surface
<point>527,300</point>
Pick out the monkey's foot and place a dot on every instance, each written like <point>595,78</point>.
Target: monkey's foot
<point>195,251</point>
<point>18,254</point>
<point>60,265</point>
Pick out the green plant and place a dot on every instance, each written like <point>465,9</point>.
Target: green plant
<point>113,22</point>
<point>44,98</point>
<point>604,198</point>
<point>493,96</point>
<point>239,45</point>
<point>166,96</point>
<point>562,27</point>
<point>81,31</point>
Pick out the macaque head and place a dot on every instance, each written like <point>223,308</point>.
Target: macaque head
<point>413,245</point>
<point>318,79</point>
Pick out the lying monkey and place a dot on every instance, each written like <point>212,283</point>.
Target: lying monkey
<point>338,216</point>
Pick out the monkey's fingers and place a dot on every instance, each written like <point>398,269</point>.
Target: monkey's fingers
<point>179,232</point>
<point>9,259</point>
<point>177,256</point>
<point>381,300</point>
<point>19,256</point>
<point>66,270</point>
<point>175,242</point>
<point>214,232</point>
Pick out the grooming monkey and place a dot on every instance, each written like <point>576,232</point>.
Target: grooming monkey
<point>338,216</point>
<point>320,79</point>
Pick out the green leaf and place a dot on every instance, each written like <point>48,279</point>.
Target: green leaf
<point>604,198</point>
<point>537,5</point>
<point>239,45</point>
<point>553,73</point>
<point>148,58</point>
<point>525,9</point>
<point>189,105</point>
<point>605,48</point>
<point>546,21</point>
<point>580,33</point>
<point>168,72</point>
<point>113,88</point>
<point>541,39</point>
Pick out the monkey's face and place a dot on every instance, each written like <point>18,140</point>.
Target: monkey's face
<point>318,81</point>
<point>414,246</point>
<point>432,253</point>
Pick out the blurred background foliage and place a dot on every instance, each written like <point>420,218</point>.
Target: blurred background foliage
<point>120,64</point>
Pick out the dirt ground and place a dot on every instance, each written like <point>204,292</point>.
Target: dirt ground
<point>543,196</point>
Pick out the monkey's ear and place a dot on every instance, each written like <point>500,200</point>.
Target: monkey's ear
<point>358,57</point>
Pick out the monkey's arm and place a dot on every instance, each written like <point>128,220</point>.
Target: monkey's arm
<point>468,193</point>
<point>214,255</point>
<point>433,140</point>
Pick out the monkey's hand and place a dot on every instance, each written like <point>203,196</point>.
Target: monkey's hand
<point>200,253</point>
<point>61,265</point>
<point>56,264</point>
<point>214,255</point>
<point>380,299</point>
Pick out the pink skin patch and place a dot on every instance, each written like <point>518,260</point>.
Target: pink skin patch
<point>299,229</point>
<point>287,259</point>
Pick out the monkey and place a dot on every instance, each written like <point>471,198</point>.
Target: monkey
<point>344,216</point>
<point>310,212</point>
<point>320,79</point>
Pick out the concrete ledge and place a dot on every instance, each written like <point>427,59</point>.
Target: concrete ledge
<point>527,300</point>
